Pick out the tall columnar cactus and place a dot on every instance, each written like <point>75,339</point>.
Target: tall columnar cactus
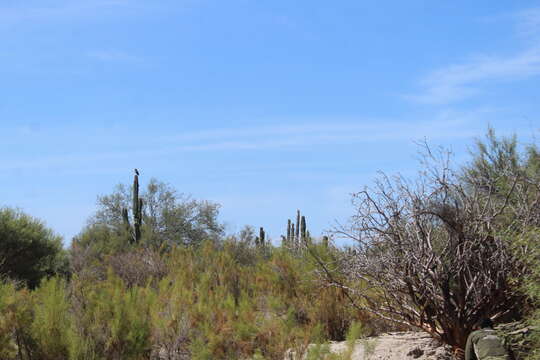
<point>259,240</point>
<point>325,241</point>
<point>137,207</point>
<point>262,236</point>
<point>289,235</point>
<point>125,216</point>
<point>303,229</point>
<point>297,234</point>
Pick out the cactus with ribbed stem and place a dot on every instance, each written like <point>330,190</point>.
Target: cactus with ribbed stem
<point>125,217</point>
<point>297,234</point>
<point>303,229</point>
<point>137,207</point>
<point>289,235</point>
<point>325,241</point>
<point>259,241</point>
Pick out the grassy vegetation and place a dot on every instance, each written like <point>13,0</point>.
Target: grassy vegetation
<point>165,283</point>
<point>226,301</point>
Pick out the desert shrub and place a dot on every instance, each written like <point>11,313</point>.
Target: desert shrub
<point>51,321</point>
<point>331,302</point>
<point>433,252</point>
<point>137,266</point>
<point>29,250</point>
<point>16,314</point>
<point>205,302</point>
<point>112,320</point>
<point>531,287</point>
<point>170,320</point>
<point>238,308</point>
<point>9,321</point>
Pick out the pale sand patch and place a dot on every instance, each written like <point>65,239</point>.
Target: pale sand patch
<point>392,346</point>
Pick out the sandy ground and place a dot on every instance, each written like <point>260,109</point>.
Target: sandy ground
<point>393,346</point>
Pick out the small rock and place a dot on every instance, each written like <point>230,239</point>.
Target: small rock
<point>416,353</point>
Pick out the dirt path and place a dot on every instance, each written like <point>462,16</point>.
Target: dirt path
<point>394,346</point>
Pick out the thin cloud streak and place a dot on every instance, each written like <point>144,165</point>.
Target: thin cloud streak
<point>529,23</point>
<point>57,10</point>
<point>389,130</point>
<point>114,56</point>
<point>264,138</point>
<point>458,82</point>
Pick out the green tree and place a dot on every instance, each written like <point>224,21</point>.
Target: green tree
<point>499,167</point>
<point>29,251</point>
<point>168,217</point>
<point>499,164</point>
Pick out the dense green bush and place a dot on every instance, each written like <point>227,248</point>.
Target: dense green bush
<point>531,287</point>
<point>498,164</point>
<point>206,302</point>
<point>29,251</point>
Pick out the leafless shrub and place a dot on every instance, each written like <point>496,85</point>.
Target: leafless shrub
<point>86,263</point>
<point>172,342</point>
<point>432,253</point>
<point>136,267</point>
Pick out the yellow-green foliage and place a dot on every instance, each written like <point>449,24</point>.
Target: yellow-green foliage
<point>112,321</point>
<point>322,351</point>
<point>51,320</point>
<point>354,333</point>
<point>216,301</point>
<point>532,288</point>
<point>15,319</point>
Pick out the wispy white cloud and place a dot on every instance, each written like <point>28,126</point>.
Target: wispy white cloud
<point>528,24</point>
<point>257,138</point>
<point>457,82</point>
<point>113,56</point>
<point>26,11</point>
<point>320,131</point>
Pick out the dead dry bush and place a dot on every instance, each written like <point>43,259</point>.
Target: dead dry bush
<point>138,266</point>
<point>433,253</point>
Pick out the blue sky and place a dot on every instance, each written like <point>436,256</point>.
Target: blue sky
<point>261,106</point>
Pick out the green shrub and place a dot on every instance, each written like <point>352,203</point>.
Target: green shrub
<point>51,321</point>
<point>16,313</point>
<point>30,251</point>
<point>112,321</point>
<point>205,302</point>
<point>531,287</point>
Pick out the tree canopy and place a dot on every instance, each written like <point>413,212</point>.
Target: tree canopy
<point>29,251</point>
<point>168,217</point>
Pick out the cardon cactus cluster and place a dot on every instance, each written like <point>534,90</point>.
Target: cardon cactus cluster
<point>297,235</point>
